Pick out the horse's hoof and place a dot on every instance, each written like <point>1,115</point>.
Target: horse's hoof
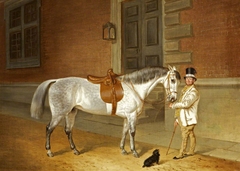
<point>124,152</point>
<point>50,154</point>
<point>76,152</point>
<point>135,154</point>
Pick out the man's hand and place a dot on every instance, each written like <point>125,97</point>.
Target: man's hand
<point>175,123</point>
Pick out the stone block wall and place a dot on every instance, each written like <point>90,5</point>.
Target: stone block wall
<point>215,39</point>
<point>17,93</point>
<point>175,31</point>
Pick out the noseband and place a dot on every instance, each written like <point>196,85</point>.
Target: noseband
<point>168,88</point>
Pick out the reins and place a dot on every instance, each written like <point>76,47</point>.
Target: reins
<point>151,102</point>
<point>154,102</point>
<point>136,92</point>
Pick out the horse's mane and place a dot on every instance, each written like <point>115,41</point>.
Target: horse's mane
<point>144,75</point>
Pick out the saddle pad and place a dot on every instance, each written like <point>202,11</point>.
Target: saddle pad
<point>111,93</point>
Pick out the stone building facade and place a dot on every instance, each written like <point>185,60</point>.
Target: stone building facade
<point>200,34</point>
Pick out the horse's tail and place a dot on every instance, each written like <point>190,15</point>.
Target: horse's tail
<point>38,100</point>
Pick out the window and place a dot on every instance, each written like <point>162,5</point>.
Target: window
<point>23,33</point>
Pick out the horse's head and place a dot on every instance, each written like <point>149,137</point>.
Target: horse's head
<point>171,83</point>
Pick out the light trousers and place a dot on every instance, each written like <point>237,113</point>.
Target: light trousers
<point>187,132</point>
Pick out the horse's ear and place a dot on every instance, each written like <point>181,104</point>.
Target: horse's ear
<point>170,68</point>
<point>174,68</point>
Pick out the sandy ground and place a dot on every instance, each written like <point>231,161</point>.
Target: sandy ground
<point>22,149</point>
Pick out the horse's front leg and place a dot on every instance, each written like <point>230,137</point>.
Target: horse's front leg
<point>124,134</point>
<point>69,122</point>
<point>132,132</point>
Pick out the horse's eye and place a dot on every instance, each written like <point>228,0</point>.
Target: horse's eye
<point>173,81</point>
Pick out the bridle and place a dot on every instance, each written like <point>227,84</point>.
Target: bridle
<point>168,88</point>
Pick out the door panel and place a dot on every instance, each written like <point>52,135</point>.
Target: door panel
<point>142,40</point>
<point>132,37</point>
<point>152,33</point>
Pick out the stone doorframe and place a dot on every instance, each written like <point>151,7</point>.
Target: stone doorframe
<point>173,32</point>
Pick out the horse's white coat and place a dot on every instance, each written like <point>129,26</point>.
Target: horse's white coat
<point>67,94</point>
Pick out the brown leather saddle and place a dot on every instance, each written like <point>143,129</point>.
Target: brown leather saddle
<point>111,90</point>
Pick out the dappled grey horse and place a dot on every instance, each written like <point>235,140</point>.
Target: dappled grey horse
<point>66,95</point>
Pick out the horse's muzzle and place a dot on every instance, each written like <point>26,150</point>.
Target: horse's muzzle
<point>171,98</point>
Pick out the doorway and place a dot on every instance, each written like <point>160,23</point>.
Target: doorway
<point>142,34</point>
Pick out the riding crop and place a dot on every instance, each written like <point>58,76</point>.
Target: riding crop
<point>175,126</point>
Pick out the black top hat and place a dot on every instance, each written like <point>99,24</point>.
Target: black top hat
<point>190,72</point>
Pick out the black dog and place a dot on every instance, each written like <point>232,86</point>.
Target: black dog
<point>152,159</point>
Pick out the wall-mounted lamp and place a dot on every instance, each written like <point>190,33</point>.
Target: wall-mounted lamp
<point>109,31</point>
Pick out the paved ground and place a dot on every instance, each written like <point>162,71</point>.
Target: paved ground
<point>153,134</point>
<point>22,149</point>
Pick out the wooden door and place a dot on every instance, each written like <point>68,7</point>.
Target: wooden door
<point>142,34</point>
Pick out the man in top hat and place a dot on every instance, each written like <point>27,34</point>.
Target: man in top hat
<point>186,113</point>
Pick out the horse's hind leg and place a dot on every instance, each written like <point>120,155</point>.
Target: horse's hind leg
<point>49,129</point>
<point>70,119</point>
<point>124,134</point>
